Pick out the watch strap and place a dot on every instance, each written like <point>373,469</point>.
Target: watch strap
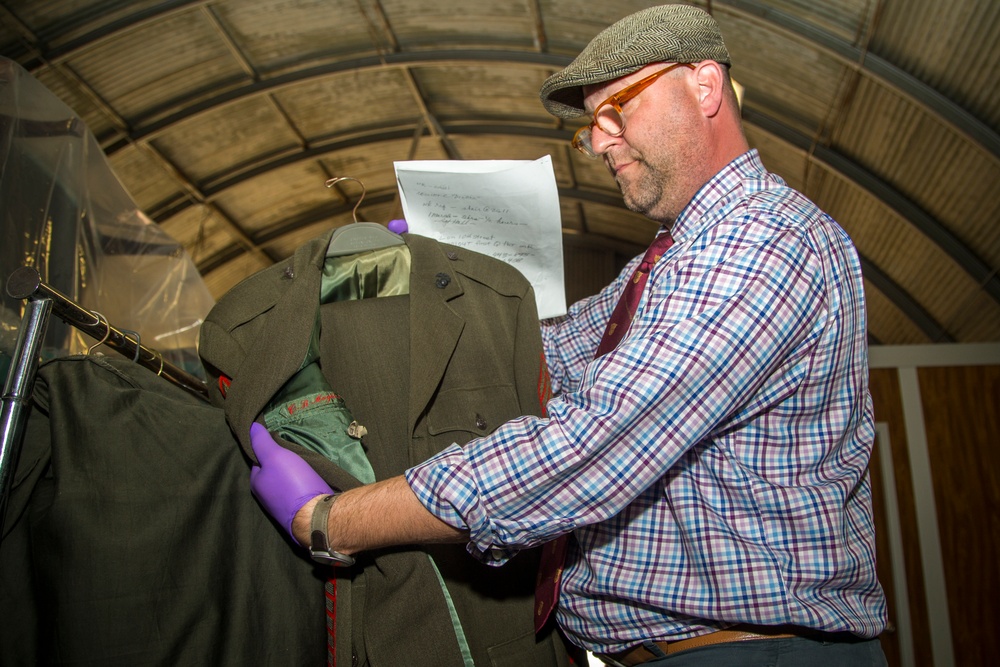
<point>319,541</point>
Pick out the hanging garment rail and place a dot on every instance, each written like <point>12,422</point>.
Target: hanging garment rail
<point>26,283</point>
<point>17,392</point>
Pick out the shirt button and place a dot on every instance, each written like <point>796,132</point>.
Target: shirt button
<point>480,422</point>
<point>441,280</point>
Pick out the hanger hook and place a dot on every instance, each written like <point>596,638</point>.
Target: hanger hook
<point>138,342</point>
<point>337,179</point>
<point>158,354</point>
<point>107,331</point>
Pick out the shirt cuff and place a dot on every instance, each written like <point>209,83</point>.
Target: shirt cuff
<point>445,487</point>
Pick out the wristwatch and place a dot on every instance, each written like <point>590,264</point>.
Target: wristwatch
<point>319,547</point>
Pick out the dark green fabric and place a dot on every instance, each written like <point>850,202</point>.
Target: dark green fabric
<point>133,538</point>
<point>307,412</point>
<point>378,273</point>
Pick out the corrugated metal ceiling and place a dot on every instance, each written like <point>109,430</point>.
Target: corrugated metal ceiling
<point>223,119</point>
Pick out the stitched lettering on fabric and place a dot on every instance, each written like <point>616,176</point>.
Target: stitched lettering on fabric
<point>310,402</point>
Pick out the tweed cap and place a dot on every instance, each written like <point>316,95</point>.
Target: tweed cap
<point>667,33</point>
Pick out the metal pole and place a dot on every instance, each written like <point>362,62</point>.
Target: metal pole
<point>25,283</point>
<point>17,392</point>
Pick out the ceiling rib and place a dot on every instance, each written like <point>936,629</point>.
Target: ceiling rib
<point>177,111</point>
<point>230,44</point>
<point>232,252</point>
<point>198,197</point>
<point>926,96</point>
<point>248,69</point>
<point>374,31</point>
<point>435,127</point>
<point>933,101</point>
<point>104,30</point>
<point>84,88</point>
<point>978,269</point>
<point>31,40</point>
<point>902,300</point>
<point>538,35</point>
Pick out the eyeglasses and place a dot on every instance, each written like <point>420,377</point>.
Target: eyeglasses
<point>608,115</point>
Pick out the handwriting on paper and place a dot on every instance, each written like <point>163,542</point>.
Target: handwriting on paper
<point>502,208</point>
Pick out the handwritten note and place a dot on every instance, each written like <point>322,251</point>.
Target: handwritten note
<point>507,209</point>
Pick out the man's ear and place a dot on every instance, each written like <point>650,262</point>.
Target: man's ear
<point>711,81</point>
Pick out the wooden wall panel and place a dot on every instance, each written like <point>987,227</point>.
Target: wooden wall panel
<point>962,416</point>
<point>889,638</point>
<point>888,408</point>
<point>587,271</point>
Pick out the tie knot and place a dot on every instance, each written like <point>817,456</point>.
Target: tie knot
<point>655,251</point>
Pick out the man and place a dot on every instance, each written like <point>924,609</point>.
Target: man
<point>711,467</point>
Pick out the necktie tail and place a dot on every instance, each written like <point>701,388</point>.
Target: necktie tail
<point>553,558</point>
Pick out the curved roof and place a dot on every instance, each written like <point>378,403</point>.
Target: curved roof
<point>224,118</point>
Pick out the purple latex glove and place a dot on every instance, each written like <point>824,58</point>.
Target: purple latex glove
<point>283,482</point>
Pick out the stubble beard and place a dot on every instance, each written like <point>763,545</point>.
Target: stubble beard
<point>639,193</point>
<point>643,189</point>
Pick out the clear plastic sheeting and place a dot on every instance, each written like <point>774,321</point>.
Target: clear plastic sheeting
<point>65,214</point>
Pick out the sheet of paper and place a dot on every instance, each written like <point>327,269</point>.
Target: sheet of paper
<point>507,209</point>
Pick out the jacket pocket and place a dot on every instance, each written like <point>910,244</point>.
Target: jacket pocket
<point>475,411</point>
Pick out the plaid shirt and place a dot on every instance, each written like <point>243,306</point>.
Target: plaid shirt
<point>712,468</point>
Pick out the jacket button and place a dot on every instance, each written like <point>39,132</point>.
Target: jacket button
<point>480,422</point>
<point>289,272</point>
<point>441,280</point>
<point>452,255</point>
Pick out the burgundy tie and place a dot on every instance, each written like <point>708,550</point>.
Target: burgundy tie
<point>553,557</point>
<point>624,311</point>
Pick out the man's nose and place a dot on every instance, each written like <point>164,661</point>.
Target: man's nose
<point>600,140</point>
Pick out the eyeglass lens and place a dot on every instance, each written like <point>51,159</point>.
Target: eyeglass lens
<point>582,141</point>
<point>611,121</point>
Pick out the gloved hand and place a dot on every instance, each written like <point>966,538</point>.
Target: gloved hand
<point>283,482</point>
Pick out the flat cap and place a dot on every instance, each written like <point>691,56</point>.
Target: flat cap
<point>667,33</point>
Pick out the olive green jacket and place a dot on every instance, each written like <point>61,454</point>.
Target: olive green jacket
<point>475,361</point>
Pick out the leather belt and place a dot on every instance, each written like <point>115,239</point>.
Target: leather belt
<point>640,654</point>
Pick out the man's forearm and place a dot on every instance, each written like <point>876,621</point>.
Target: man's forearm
<point>377,515</point>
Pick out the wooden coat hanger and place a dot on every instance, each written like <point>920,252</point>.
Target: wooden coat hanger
<point>356,237</point>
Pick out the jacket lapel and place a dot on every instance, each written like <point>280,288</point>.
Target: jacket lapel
<point>278,352</point>
<point>434,326</point>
